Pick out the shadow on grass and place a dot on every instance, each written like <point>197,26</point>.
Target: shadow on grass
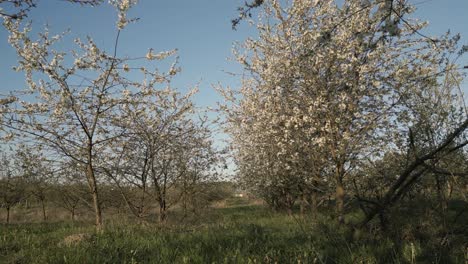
<point>236,234</point>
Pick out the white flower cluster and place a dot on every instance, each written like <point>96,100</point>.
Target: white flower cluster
<point>324,82</point>
<point>122,7</point>
<point>161,55</point>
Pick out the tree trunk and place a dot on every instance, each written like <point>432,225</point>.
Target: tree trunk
<point>94,190</point>
<point>44,215</point>
<point>383,221</point>
<point>8,215</point>
<point>289,204</point>
<point>314,203</point>
<point>340,202</point>
<point>72,212</point>
<point>340,193</point>
<point>443,203</point>
<point>97,207</point>
<point>184,204</point>
<point>449,189</point>
<point>303,204</point>
<point>162,212</point>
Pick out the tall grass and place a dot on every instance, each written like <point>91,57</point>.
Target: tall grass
<point>238,233</point>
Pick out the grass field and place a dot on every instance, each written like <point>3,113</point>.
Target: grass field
<point>236,233</point>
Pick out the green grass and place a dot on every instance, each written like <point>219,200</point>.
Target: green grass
<point>237,234</point>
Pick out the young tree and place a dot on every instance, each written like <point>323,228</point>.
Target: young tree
<point>37,173</point>
<point>75,105</point>
<point>69,190</point>
<point>203,162</point>
<point>165,144</point>
<point>12,185</point>
<point>65,195</point>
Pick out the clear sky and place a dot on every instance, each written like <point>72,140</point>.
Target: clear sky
<point>200,29</point>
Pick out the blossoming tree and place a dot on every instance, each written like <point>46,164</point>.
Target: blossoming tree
<point>331,79</point>
<point>18,9</point>
<point>74,100</point>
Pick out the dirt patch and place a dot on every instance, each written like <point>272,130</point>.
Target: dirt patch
<point>75,239</point>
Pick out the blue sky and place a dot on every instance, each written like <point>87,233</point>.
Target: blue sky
<point>199,29</point>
